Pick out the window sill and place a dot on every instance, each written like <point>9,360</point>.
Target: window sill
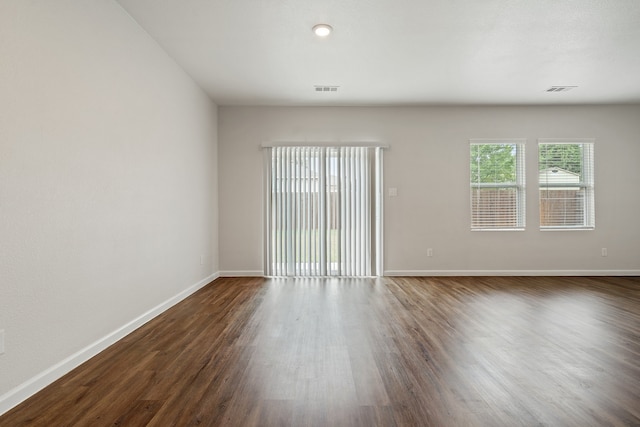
<point>567,228</point>
<point>498,229</point>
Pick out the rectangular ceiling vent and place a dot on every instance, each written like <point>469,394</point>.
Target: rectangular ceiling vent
<point>326,88</point>
<point>560,88</point>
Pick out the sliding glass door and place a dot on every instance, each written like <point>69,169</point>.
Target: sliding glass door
<point>323,211</point>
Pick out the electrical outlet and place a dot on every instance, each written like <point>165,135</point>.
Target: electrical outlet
<point>604,252</point>
<point>429,252</point>
<point>2,341</point>
<point>201,259</point>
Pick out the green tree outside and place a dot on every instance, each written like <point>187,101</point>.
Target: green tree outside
<point>493,163</point>
<point>496,163</point>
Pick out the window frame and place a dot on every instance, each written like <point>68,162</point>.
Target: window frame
<point>586,183</point>
<point>519,185</point>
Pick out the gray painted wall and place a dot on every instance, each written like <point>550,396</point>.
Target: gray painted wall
<point>428,163</point>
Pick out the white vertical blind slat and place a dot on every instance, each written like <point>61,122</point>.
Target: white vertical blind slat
<point>296,210</point>
<point>310,231</point>
<point>366,237</point>
<point>268,193</point>
<point>343,225</point>
<point>357,265</point>
<point>322,213</point>
<point>287,236</point>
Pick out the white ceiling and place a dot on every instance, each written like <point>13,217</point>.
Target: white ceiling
<point>402,52</point>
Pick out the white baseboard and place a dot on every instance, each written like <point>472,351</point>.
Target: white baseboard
<point>408,273</point>
<point>27,389</point>
<point>242,273</point>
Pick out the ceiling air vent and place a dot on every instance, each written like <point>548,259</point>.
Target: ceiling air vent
<point>560,88</point>
<point>326,88</point>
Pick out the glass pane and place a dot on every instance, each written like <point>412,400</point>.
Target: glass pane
<point>493,163</point>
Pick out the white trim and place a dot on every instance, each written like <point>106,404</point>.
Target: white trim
<point>477,141</point>
<point>567,228</point>
<point>409,273</point>
<point>30,387</point>
<point>242,273</point>
<point>498,229</point>
<point>565,140</point>
<point>367,144</point>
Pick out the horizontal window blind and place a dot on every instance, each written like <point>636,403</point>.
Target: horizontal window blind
<point>566,185</point>
<point>323,211</point>
<point>497,185</point>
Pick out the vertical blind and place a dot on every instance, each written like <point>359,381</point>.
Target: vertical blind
<point>566,181</point>
<point>497,185</point>
<point>323,211</point>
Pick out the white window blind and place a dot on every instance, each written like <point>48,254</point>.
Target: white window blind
<point>323,211</point>
<point>566,182</point>
<point>497,184</point>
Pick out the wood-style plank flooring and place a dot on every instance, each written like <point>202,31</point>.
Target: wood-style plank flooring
<point>456,351</point>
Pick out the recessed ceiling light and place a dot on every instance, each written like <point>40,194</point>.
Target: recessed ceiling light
<point>322,30</point>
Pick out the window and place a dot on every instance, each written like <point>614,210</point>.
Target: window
<point>566,182</point>
<point>323,211</point>
<point>497,185</point>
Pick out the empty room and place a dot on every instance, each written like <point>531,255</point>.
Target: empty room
<point>319,213</point>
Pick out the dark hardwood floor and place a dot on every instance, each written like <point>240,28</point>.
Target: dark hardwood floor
<point>455,351</point>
